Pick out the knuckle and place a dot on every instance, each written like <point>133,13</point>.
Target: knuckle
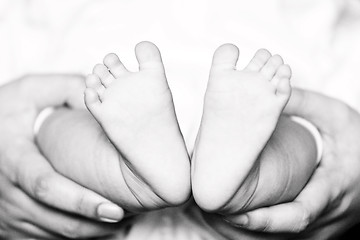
<point>81,203</point>
<point>265,225</point>
<point>303,222</point>
<point>260,222</point>
<point>71,230</point>
<point>41,187</point>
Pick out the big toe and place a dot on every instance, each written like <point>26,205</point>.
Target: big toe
<point>148,56</point>
<point>225,57</point>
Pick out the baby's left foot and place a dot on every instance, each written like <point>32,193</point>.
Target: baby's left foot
<point>241,111</point>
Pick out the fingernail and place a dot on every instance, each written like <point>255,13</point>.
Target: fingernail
<point>242,220</point>
<point>238,221</point>
<point>109,212</point>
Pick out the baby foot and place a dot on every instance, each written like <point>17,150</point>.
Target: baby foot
<point>241,110</point>
<point>136,111</point>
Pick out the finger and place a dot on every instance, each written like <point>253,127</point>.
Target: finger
<point>294,216</point>
<point>36,176</point>
<point>30,231</point>
<point>46,90</point>
<point>318,109</point>
<point>57,222</point>
<point>12,213</point>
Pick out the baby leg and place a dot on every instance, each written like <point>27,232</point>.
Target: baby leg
<point>290,149</point>
<point>77,147</point>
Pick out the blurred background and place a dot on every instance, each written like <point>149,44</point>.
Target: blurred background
<point>319,39</point>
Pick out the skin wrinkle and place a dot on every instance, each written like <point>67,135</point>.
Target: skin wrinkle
<point>134,176</point>
<point>139,181</point>
<point>248,201</point>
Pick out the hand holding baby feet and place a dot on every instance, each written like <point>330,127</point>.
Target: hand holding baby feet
<point>136,111</point>
<point>241,111</point>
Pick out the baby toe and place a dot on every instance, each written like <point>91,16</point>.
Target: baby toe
<point>283,90</point>
<point>272,66</point>
<point>93,81</point>
<point>259,60</point>
<point>284,71</point>
<point>92,100</point>
<point>105,77</point>
<point>115,66</point>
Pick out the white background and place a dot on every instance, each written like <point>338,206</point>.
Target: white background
<point>319,39</point>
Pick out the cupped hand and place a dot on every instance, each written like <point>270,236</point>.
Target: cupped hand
<point>330,202</point>
<point>36,201</point>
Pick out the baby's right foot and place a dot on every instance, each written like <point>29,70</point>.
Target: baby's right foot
<point>137,113</point>
<point>241,111</point>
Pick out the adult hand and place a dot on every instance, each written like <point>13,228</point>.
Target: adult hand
<point>36,201</point>
<point>330,202</point>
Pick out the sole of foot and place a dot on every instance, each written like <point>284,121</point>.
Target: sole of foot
<point>241,111</point>
<point>136,111</point>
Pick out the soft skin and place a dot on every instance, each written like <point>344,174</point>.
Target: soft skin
<point>131,150</point>
<point>82,152</point>
<point>289,139</point>
<point>330,202</point>
<point>32,202</point>
<point>241,111</point>
<point>137,113</point>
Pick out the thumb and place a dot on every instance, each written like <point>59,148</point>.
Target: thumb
<point>294,216</point>
<point>326,113</point>
<point>47,90</point>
